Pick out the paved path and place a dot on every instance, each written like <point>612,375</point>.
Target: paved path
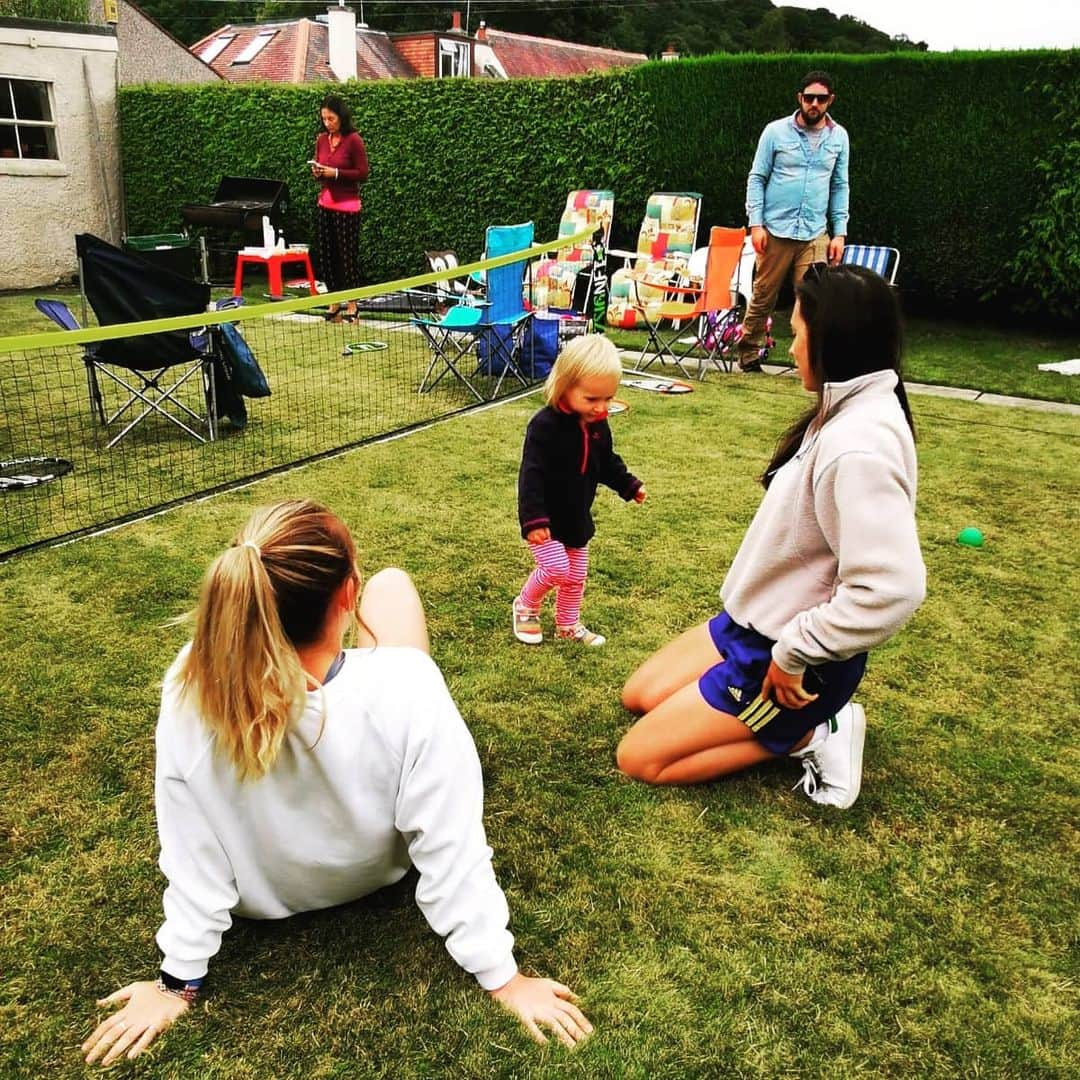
<point>631,356</point>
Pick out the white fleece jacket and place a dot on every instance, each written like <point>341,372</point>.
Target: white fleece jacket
<point>831,564</point>
<point>387,777</point>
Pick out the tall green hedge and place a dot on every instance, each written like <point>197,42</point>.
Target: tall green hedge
<point>946,153</point>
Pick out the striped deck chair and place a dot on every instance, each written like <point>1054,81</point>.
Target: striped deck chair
<point>882,260</point>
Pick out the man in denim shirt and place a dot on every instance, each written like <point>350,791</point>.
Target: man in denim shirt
<point>798,179</point>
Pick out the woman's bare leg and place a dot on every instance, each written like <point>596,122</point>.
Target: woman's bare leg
<point>391,612</point>
<point>680,662</point>
<point>684,740</point>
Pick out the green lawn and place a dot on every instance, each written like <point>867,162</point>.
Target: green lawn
<point>733,929</point>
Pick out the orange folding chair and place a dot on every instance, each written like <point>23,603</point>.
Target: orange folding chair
<point>710,310</point>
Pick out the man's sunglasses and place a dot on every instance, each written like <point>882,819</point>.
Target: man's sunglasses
<point>819,98</point>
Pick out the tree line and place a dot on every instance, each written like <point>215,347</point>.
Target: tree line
<point>693,27</point>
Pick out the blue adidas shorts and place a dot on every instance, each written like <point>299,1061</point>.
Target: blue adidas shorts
<point>734,686</point>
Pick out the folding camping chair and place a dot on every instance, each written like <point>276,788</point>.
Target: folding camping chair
<point>150,371</point>
<point>711,309</point>
<point>501,330</point>
<point>882,260</point>
<point>563,283</point>
<point>666,241</point>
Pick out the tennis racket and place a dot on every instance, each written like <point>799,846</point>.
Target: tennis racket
<point>17,473</point>
<point>364,346</point>
<point>660,386</point>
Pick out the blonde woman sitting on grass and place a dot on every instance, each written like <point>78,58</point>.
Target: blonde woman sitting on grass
<point>293,774</point>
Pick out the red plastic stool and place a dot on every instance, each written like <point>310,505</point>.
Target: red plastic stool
<point>274,262</point>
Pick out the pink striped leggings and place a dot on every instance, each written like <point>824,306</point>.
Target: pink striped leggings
<point>562,569</point>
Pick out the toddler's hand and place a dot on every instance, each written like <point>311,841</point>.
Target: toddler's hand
<point>538,536</point>
<point>639,495</point>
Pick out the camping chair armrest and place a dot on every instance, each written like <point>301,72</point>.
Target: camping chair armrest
<point>626,256</point>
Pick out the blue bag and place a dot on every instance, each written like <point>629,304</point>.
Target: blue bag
<point>540,347</point>
<point>247,376</point>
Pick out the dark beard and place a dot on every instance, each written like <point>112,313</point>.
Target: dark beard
<point>807,121</point>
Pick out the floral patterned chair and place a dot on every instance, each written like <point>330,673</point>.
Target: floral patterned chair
<point>666,241</point>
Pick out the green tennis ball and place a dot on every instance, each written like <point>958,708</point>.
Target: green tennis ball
<point>970,537</point>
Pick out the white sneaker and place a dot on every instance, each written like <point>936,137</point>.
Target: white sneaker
<point>581,633</point>
<point>832,766</point>
<point>526,623</point>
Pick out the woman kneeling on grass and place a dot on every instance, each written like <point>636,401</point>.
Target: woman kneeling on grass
<point>829,568</point>
<point>293,774</point>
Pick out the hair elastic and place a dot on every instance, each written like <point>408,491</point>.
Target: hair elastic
<point>254,547</point>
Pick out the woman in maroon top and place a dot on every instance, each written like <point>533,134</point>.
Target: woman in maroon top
<point>342,166</point>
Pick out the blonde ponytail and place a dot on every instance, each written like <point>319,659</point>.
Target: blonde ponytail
<point>261,598</point>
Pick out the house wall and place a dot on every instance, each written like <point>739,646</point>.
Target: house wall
<point>149,53</point>
<point>418,52</point>
<point>43,204</point>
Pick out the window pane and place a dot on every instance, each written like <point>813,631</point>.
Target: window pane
<point>5,99</point>
<point>9,146</point>
<point>255,46</point>
<point>38,142</point>
<point>31,100</point>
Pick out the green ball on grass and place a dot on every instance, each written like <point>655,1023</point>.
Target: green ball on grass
<point>970,537</point>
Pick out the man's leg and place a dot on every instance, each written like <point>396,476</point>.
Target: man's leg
<point>813,251</point>
<point>772,267</point>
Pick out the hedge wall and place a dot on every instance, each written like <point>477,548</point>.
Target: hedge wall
<point>949,156</point>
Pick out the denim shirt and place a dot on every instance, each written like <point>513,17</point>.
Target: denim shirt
<point>791,187</point>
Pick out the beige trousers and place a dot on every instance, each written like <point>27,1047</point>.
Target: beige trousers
<point>780,256</point>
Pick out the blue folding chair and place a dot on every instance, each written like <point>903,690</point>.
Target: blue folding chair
<point>882,260</point>
<point>501,330</point>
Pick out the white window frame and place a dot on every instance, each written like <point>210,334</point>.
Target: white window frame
<point>216,47</point>
<point>453,59</point>
<point>14,122</point>
<point>255,46</point>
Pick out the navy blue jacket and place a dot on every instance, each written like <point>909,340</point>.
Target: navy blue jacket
<point>563,461</point>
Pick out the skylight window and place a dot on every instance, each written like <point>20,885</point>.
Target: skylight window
<point>216,47</point>
<point>255,46</point>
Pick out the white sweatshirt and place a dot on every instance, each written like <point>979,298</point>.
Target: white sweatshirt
<point>831,564</point>
<point>387,777</point>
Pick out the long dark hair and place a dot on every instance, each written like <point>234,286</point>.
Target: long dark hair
<point>337,106</point>
<point>853,327</point>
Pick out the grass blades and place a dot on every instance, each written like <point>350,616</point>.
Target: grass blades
<point>731,929</point>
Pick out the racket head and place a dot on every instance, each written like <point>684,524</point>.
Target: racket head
<point>363,347</point>
<point>17,474</point>
<point>616,406</point>
<point>659,386</point>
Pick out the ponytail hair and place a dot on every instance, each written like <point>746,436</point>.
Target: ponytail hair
<point>261,598</point>
<point>854,327</point>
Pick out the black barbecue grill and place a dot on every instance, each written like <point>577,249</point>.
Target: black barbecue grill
<point>239,205</point>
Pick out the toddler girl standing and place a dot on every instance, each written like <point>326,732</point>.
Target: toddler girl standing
<point>567,453</point>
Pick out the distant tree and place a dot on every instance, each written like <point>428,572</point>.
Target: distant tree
<point>771,34</point>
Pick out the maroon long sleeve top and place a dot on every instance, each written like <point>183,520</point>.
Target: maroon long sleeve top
<point>350,160</point>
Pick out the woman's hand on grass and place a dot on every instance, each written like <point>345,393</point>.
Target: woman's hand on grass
<point>146,1015</point>
<point>786,690</point>
<point>544,1001</point>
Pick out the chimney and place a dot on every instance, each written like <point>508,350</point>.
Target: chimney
<point>481,31</point>
<point>670,53</point>
<point>455,23</point>
<point>341,30</point>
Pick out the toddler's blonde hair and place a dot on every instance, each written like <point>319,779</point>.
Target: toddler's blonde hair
<point>583,358</point>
